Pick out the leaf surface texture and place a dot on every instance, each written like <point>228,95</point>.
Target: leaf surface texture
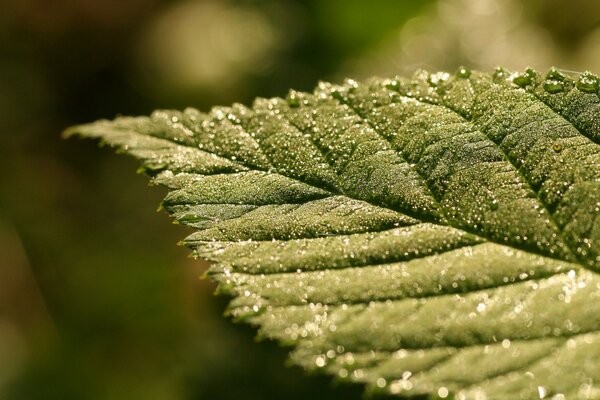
<point>436,236</point>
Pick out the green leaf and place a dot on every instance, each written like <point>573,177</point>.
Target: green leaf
<point>434,236</point>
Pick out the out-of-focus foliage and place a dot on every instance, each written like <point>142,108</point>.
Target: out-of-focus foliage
<point>95,302</point>
<point>487,33</point>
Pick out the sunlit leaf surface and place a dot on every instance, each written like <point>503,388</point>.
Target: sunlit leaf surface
<point>434,236</point>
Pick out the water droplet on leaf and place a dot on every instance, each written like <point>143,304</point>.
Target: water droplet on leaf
<point>292,99</point>
<point>557,147</point>
<point>463,72</point>
<point>336,94</point>
<point>524,79</point>
<point>555,75</point>
<point>588,83</point>
<point>499,74</point>
<point>553,86</point>
<point>392,84</point>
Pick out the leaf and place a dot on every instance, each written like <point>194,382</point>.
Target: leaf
<point>435,236</point>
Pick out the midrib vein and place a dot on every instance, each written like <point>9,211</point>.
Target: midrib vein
<point>476,234</point>
<point>507,157</point>
<point>431,192</point>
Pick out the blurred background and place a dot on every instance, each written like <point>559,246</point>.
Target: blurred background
<point>96,301</point>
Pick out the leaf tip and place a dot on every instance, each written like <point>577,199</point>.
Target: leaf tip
<point>81,130</point>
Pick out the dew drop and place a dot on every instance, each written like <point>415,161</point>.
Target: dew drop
<point>587,83</point>
<point>438,78</point>
<point>553,86</point>
<point>542,392</point>
<point>292,99</point>
<point>494,205</point>
<point>395,387</point>
<point>358,373</point>
<point>555,75</point>
<point>499,74</point>
<point>320,361</point>
<point>443,392</point>
<point>392,84</point>
<point>336,94</point>
<point>353,85</point>
<point>524,79</point>
<point>557,147</point>
<point>463,72</point>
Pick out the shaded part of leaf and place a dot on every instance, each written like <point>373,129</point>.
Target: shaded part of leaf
<point>367,167</point>
<point>531,134</point>
<point>205,216</point>
<point>478,189</point>
<point>580,107</point>
<point>251,188</point>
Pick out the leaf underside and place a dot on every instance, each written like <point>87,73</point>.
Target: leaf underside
<point>435,236</point>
